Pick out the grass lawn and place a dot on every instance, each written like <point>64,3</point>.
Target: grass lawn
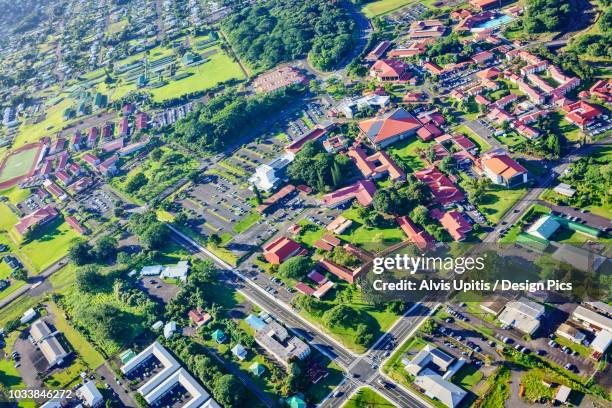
<point>367,398</point>
<point>90,356</point>
<point>16,194</point>
<point>53,122</point>
<point>378,320</point>
<point>498,200</point>
<point>51,244</point>
<point>219,68</point>
<point>7,218</point>
<point>370,238</point>
<point>406,150</point>
<point>379,7</point>
<point>468,376</point>
<point>247,222</point>
<point>511,139</point>
<point>482,144</point>
<point>19,164</point>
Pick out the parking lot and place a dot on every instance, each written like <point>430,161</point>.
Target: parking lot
<point>30,204</point>
<point>541,344</point>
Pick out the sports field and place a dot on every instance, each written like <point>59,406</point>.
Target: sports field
<point>218,68</point>
<point>18,164</point>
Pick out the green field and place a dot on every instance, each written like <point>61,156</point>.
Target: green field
<point>50,245</point>
<point>367,398</point>
<point>379,7</point>
<point>408,152</point>
<point>18,164</point>
<point>90,356</point>
<point>7,218</point>
<point>219,68</point>
<point>247,222</point>
<point>370,238</point>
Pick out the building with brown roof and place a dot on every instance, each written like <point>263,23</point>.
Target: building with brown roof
<point>340,271</point>
<point>502,169</point>
<point>391,70</point>
<point>418,236</point>
<point>445,192</point>
<point>37,218</point>
<point>389,128</point>
<point>379,51</point>
<point>281,249</point>
<point>363,191</point>
<point>377,165</point>
<point>454,222</point>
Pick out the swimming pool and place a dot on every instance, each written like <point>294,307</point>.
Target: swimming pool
<point>496,22</point>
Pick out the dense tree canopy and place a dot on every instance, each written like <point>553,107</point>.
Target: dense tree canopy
<point>296,267</point>
<point>546,15</point>
<point>226,118</point>
<point>318,169</point>
<point>282,30</point>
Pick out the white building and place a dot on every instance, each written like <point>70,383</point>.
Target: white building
<point>437,388</point>
<point>166,379</point>
<point>51,348</point>
<point>90,395</point>
<point>178,271</point>
<point>28,316</point>
<point>169,329</point>
<point>268,176</point>
<point>523,314</point>
<point>349,106</point>
<point>565,189</point>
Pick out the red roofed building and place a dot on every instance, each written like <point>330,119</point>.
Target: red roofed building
<point>107,131</point>
<point>502,169</point>
<point>281,249</point>
<point>276,198</point>
<point>419,237</point>
<point>75,141</point>
<point>410,49</point>
<point>506,100</point>
<point>339,270</point>
<point>63,161</point>
<point>602,89</point>
<point>581,113</point>
<point>463,142</point>
<point>428,132</point>
<point>315,134</point>
<point>363,191</point>
<point>109,166</point>
<point>499,116</point>
<point>481,100</point>
<point>124,126</point>
<point>390,70</point>
<point>113,145</point>
<point>63,177</point>
<point>377,165</point>
<point>142,121</point>
<point>444,191</point>
<point>379,51</point>
<point>488,73</point>
<point>453,222</point>
<point>482,57</point>
<point>39,217</point>
<point>92,137</point>
<point>389,128</point>
<point>199,317</point>
<point>90,159</point>
<point>485,4</point>
<point>76,225</point>
<point>433,68</point>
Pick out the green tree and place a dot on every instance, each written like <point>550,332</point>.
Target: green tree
<point>228,391</point>
<point>105,248</point>
<point>80,252</point>
<point>296,267</point>
<point>89,279</point>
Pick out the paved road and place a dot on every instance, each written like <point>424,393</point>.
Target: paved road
<point>365,366</point>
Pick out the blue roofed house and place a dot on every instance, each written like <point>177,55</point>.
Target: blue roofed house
<point>239,351</point>
<point>257,369</point>
<point>218,336</point>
